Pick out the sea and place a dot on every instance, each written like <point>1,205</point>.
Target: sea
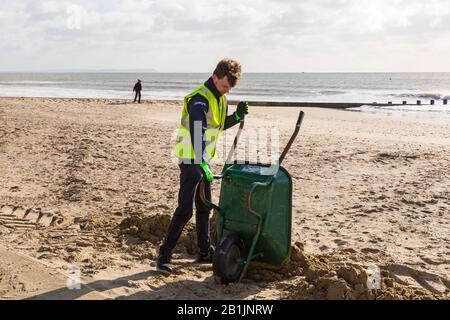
<point>364,88</point>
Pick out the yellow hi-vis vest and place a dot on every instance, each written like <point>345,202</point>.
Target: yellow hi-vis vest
<point>215,122</point>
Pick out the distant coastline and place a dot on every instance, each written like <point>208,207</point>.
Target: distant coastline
<point>76,71</point>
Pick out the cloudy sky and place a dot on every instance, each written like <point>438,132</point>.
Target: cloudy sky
<point>191,36</point>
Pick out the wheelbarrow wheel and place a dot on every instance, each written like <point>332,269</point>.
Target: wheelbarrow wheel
<point>227,260</point>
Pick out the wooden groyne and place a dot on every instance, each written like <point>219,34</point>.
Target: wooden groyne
<point>331,105</point>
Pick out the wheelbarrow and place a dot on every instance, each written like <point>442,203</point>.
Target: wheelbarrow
<point>254,214</point>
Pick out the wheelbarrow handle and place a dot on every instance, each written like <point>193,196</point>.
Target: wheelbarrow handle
<point>248,197</point>
<point>202,195</point>
<point>294,135</point>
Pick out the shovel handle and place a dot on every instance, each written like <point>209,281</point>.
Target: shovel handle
<point>235,142</point>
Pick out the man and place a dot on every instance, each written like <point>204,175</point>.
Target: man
<point>203,118</point>
<point>137,88</point>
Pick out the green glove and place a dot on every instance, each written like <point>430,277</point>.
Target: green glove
<point>241,110</point>
<point>208,173</point>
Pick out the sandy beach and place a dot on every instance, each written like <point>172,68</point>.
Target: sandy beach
<point>91,183</point>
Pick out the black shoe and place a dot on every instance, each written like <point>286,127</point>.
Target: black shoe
<point>205,257</point>
<point>163,265</point>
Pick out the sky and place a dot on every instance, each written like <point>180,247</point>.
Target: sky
<point>192,36</point>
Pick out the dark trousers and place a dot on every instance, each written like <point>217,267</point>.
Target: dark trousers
<point>189,191</point>
<point>138,94</point>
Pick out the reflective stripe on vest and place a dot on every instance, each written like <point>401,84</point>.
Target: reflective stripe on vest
<point>215,122</point>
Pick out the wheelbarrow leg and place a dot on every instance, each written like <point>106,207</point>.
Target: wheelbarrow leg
<point>258,230</point>
<point>250,252</point>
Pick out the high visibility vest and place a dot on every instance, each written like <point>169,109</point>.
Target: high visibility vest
<point>215,122</point>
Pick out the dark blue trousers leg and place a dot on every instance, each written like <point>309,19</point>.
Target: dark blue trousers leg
<point>190,175</point>
<point>202,220</point>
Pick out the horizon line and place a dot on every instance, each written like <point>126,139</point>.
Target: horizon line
<point>196,72</point>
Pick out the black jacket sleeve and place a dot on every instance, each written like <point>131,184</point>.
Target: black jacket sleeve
<point>230,121</point>
<point>198,108</point>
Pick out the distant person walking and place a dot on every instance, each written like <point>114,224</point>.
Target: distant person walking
<point>137,88</point>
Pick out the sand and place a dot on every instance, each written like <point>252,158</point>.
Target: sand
<point>90,183</point>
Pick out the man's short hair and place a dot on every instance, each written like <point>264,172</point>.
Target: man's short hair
<point>231,69</point>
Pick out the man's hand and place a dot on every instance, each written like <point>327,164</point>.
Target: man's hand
<point>208,173</point>
<point>241,110</point>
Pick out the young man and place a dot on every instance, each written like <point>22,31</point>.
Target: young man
<point>137,88</point>
<point>203,118</point>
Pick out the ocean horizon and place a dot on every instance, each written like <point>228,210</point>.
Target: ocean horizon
<point>351,87</point>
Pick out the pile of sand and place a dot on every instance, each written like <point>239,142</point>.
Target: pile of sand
<point>150,231</point>
<point>306,276</point>
<point>318,278</point>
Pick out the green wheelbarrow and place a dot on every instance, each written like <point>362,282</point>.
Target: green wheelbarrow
<point>254,214</point>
